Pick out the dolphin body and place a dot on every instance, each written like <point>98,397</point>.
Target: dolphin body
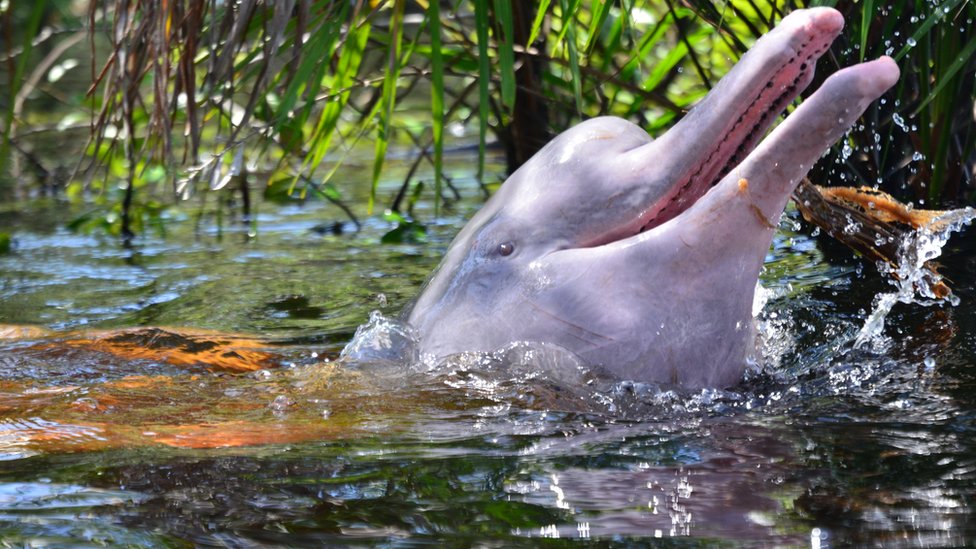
<point>641,256</point>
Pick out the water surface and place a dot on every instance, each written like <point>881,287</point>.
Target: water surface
<point>827,445</point>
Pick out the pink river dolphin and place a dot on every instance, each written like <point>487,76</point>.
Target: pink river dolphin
<point>641,256</point>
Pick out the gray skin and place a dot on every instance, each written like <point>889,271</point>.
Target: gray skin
<point>642,256</point>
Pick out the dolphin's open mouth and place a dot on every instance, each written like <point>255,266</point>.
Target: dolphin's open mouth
<point>558,255</point>
<point>769,98</point>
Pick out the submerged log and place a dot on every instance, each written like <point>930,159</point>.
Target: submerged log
<point>874,224</point>
<point>178,347</point>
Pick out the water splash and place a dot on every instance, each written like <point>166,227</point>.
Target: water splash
<point>913,283</point>
<point>383,339</point>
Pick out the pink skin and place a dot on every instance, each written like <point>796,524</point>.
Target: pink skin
<point>642,256</point>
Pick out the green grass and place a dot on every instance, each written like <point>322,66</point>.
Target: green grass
<point>296,88</point>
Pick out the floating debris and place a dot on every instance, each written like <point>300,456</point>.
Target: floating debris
<point>902,241</point>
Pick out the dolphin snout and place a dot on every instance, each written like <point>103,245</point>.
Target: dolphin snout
<point>840,100</point>
<point>822,20</point>
<point>815,21</point>
<point>810,29</point>
<point>867,80</point>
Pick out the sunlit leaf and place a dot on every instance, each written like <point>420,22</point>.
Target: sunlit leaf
<point>347,68</point>
<point>388,98</point>
<point>436,98</point>
<point>540,17</point>
<point>484,77</point>
<point>568,37</point>
<point>506,55</point>
<point>601,10</point>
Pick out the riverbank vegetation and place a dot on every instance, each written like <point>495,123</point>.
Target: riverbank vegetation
<point>132,106</point>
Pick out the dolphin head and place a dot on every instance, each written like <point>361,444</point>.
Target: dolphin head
<point>640,255</point>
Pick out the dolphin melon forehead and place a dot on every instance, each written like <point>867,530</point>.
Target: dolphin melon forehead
<point>588,160</point>
<point>619,135</point>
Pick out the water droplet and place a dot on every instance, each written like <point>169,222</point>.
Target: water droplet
<point>846,151</point>
<point>280,404</point>
<point>914,283</point>
<point>899,121</point>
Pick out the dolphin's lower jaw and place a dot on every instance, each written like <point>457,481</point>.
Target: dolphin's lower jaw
<point>613,247</point>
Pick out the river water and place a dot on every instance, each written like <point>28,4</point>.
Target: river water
<point>827,445</point>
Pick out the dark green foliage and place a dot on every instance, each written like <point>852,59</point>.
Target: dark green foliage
<point>925,129</point>
<point>217,95</point>
<point>405,230</point>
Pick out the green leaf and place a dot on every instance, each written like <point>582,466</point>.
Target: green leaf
<point>646,44</point>
<point>346,70</point>
<point>965,56</point>
<point>506,55</point>
<point>328,191</point>
<point>291,135</point>
<point>569,9</point>
<point>315,55</point>
<point>926,26</point>
<point>867,15</point>
<point>599,17</point>
<point>388,99</point>
<point>281,189</point>
<point>406,232</point>
<point>484,76</point>
<point>17,79</point>
<point>436,99</point>
<point>540,17</point>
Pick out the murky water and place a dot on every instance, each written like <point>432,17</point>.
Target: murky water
<point>280,444</point>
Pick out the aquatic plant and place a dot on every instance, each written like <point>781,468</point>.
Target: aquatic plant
<point>919,144</point>
<point>192,96</point>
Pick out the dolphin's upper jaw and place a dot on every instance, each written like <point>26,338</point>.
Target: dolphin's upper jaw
<point>765,88</point>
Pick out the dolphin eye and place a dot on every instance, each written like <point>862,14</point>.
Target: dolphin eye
<point>506,249</point>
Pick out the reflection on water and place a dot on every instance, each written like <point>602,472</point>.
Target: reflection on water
<point>272,439</point>
<point>47,513</point>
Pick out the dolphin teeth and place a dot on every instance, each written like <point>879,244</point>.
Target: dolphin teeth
<point>760,112</point>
